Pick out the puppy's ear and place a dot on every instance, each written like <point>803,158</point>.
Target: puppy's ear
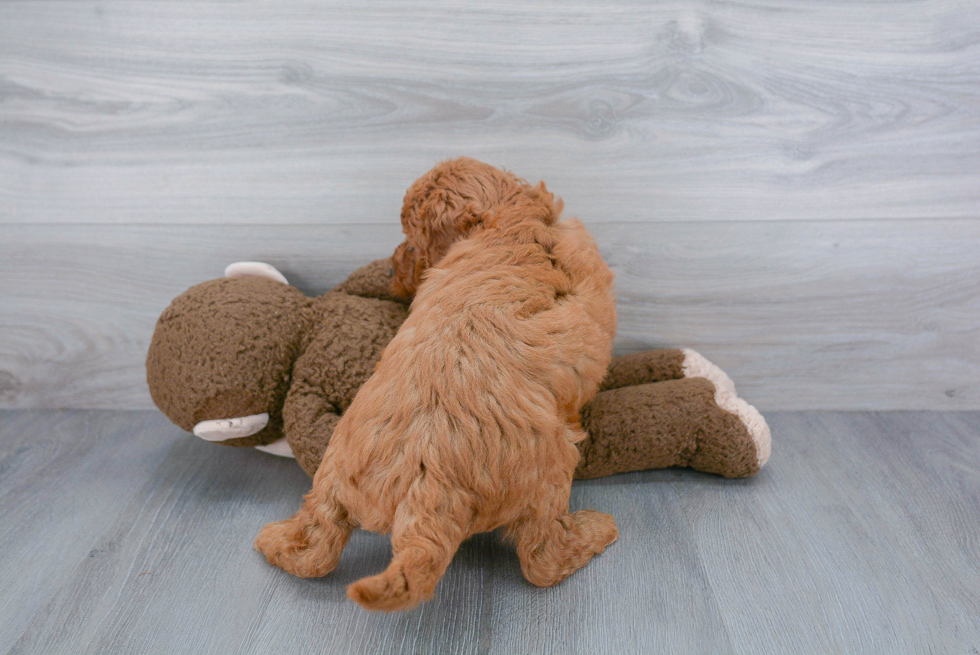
<point>405,273</point>
<point>447,218</point>
<point>441,220</point>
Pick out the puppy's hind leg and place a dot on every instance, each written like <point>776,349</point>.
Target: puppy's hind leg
<point>430,523</point>
<point>309,544</point>
<point>553,546</point>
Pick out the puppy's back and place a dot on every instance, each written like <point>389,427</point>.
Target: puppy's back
<point>469,421</point>
<point>505,342</point>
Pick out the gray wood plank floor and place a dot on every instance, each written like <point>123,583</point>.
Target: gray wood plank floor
<point>121,533</point>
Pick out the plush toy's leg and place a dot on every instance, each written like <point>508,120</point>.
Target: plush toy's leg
<point>553,546</point>
<point>309,544</point>
<point>429,525</point>
<point>643,367</point>
<point>686,422</point>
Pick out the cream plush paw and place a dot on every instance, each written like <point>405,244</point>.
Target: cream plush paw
<point>696,366</point>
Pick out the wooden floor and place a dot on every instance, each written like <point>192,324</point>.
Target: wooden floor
<point>122,534</point>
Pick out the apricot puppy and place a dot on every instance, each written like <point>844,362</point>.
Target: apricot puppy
<point>470,420</point>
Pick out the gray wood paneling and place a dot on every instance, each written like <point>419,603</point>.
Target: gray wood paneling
<point>803,315</point>
<point>791,187</point>
<point>860,535</point>
<point>314,111</point>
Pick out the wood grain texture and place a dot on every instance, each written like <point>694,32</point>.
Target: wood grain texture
<point>802,315</point>
<point>321,112</point>
<point>649,592</point>
<point>860,535</point>
<point>865,522</point>
<point>64,476</point>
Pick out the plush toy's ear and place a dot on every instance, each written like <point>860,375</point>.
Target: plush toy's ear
<point>255,269</point>
<point>279,447</point>
<point>223,429</point>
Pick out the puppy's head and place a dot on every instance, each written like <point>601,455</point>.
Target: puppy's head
<point>447,204</point>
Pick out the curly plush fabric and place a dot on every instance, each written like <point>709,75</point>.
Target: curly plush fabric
<point>224,349</point>
<point>240,346</point>
<point>671,423</point>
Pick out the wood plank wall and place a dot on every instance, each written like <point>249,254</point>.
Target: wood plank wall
<point>792,188</point>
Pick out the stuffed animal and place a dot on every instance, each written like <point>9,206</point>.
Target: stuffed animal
<point>248,360</point>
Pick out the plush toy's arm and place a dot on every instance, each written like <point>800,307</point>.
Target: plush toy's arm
<point>308,421</point>
<point>371,281</point>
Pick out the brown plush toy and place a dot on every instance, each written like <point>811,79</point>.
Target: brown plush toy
<point>249,361</point>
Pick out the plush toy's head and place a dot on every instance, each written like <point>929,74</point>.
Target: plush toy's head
<point>222,353</point>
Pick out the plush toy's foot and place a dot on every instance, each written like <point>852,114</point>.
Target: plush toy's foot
<point>696,366</point>
<point>696,421</point>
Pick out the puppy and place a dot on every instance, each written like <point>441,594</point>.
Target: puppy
<point>470,420</point>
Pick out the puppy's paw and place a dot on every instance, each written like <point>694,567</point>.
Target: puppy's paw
<point>288,545</point>
<point>599,528</point>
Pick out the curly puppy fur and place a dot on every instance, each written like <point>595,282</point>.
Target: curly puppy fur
<point>469,422</point>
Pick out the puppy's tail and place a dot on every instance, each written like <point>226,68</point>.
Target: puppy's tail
<point>427,531</point>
